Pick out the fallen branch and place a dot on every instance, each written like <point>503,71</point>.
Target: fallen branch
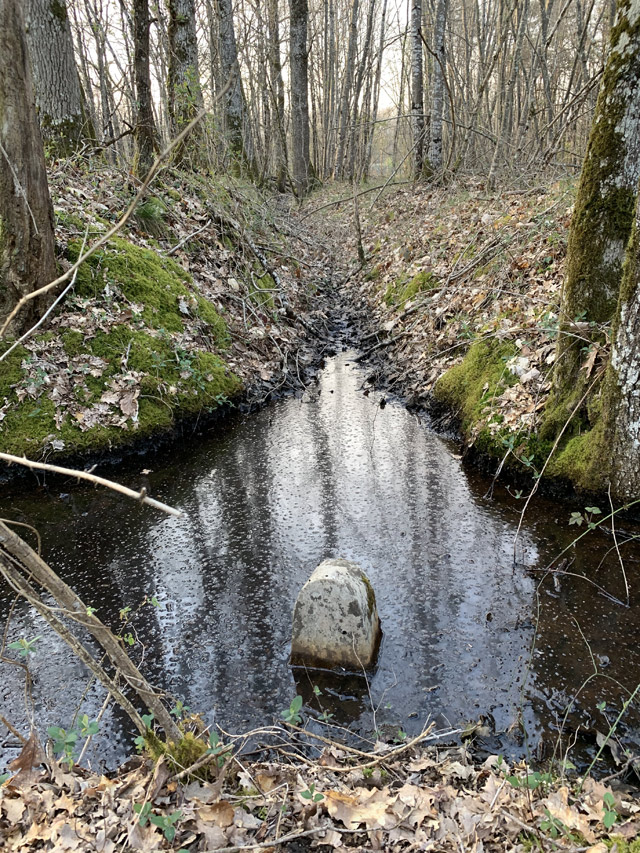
<point>140,496</point>
<point>75,609</point>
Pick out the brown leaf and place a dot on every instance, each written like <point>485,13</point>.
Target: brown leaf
<point>221,814</point>
<point>368,807</point>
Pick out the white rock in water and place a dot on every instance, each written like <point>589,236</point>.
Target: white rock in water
<point>335,620</point>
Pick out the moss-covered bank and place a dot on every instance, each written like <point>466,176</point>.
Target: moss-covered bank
<point>136,349</point>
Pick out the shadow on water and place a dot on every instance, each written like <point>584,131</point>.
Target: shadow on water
<point>266,498</point>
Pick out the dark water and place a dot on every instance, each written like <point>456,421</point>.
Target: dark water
<point>266,498</point>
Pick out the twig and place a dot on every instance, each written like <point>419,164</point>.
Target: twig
<point>140,496</point>
<point>285,839</point>
<point>189,237</point>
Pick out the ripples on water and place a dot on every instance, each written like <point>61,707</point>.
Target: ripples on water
<point>268,496</point>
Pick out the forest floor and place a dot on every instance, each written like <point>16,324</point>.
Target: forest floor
<point>290,797</point>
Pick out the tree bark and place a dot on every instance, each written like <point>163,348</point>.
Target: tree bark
<point>347,86</point>
<point>26,215</point>
<point>621,413</point>
<point>301,158</point>
<point>64,121</point>
<point>145,127</point>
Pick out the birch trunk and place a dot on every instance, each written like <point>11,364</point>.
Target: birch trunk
<point>417,88</point>
<point>437,89</point>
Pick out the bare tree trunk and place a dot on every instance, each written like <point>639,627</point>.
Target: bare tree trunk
<point>145,129</point>
<point>277,95</point>
<point>299,17</point>
<point>26,215</point>
<point>417,88</point>
<point>346,89</point>
<point>64,121</point>
<point>621,415</point>
<point>366,165</point>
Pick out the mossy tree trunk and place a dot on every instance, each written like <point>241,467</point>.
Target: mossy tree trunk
<point>145,127</point>
<point>64,119</point>
<point>185,93</point>
<point>604,211</point>
<point>26,215</point>
<point>236,120</point>
<point>621,397</point>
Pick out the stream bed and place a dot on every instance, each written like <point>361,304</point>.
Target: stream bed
<point>266,497</point>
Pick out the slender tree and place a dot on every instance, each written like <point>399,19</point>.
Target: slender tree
<point>26,214</point>
<point>417,88</point>
<point>145,128</point>
<point>299,16</point>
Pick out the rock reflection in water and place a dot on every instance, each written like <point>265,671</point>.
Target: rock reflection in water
<point>266,498</point>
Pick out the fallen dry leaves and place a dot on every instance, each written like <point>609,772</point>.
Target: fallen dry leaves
<point>428,798</point>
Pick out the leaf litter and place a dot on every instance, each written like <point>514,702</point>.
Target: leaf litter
<point>420,796</point>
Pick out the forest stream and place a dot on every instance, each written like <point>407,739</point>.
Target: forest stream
<point>339,471</point>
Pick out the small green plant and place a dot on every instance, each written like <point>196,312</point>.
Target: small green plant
<point>216,748</point>
<point>610,813</point>
<point>167,823</point>
<point>147,719</point>
<point>531,780</point>
<point>64,743</point>
<point>311,794</point>
<point>367,772</point>
<point>88,727</point>
<point>552,826</point>
<point>590,511</point>
<point>292,713</point>
<point>4,777</point>
<point>180,710</point>
<point>24,647</point>
<point>325,716</point>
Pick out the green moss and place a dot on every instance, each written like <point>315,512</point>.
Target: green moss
<point>73,343</point>
<point>401,290</point>
<point>469,387</point>
<point>179,755</point>
<point>10,369</point>
<point>621,845</point>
